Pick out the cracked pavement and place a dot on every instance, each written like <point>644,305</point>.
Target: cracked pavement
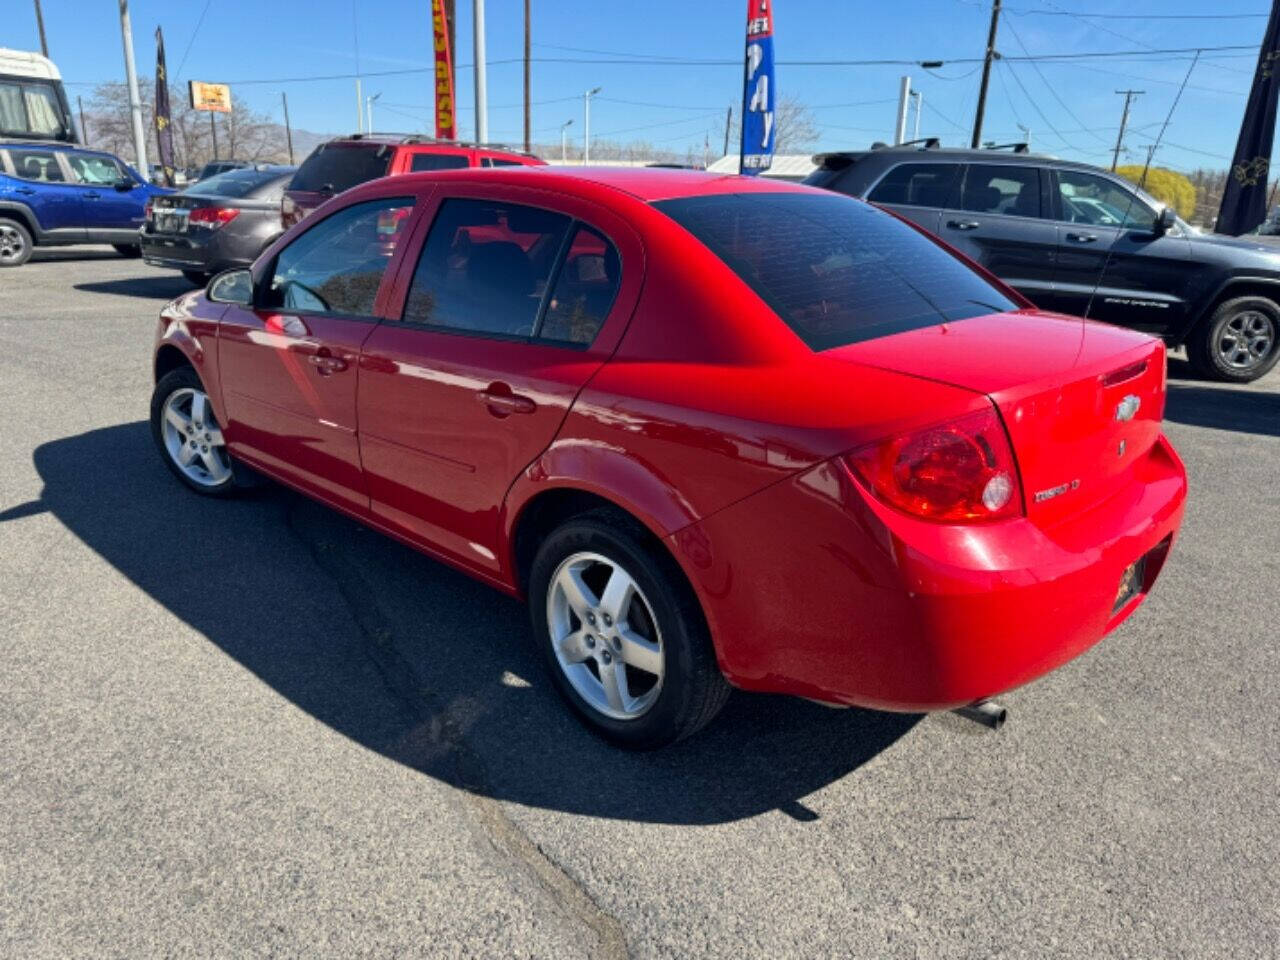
<point>254,728</point>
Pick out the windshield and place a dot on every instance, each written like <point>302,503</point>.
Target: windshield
<point>333,169</point>
<point>237,183</point>
<point>836,270</point>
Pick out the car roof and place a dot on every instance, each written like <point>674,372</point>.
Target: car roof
<point>836,159</point>
<point>644,183</point>
<point>421,142</point>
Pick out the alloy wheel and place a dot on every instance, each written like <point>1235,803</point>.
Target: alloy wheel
<point>605,636</point>
<point>12,244</point>
<point>193,438</point>
<point>1246,340</point>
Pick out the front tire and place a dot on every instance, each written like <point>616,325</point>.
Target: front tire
<point>15,243</point>
<point>188,435</point>
<point>130,251</point>
<point>622,633</point>
<point>1238,343</point>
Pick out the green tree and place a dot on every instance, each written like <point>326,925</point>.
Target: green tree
<point>1167,186</point>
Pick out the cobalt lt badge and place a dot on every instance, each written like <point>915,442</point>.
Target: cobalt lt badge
<point>1127,408</point>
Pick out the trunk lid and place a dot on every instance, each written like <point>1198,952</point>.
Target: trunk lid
<point>1082,401</point>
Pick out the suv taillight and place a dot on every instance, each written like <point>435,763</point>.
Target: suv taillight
<point>213,217</point>
<point>957,472</point>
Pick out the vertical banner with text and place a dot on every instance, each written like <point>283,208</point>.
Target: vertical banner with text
<point>446,128</point>
<point>163,117</point>
<point>1244,202</point>
<point>758,95</point>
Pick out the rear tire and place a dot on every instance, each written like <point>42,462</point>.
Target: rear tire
<point>130,251</point>
<point>632,656</point>
<point>15,243</point>
<point>1238,343</point>
<point>197,277</point>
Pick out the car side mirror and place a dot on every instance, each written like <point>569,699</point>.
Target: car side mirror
<point>1166,221</point>
<point>232,286</point>
<point>124,184</point>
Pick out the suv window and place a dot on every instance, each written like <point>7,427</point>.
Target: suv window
<point>437,161</point>
<point>41,165</point>
<point>499,162</point>
<point>485,267</point>
<point>1099,202</point>
<point>337,266</point>
<point>835,270</point>
<point>584,290</point>
<point>918,184</point>
<point>334,169</point>
<point>94,170</point>
<point>1001,188</point>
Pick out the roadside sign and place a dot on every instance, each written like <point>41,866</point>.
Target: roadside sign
<point>210,96</point>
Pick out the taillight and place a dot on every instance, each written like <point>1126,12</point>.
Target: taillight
<point>213,217</point>
<point>957,472</point>
<point>148,211</point>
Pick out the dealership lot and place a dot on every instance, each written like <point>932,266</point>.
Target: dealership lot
<point>252,728</point>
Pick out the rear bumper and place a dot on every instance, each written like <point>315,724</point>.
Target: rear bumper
<point>188,253</point>
<point>813,588</point>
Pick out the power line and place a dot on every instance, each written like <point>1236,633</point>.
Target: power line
<point>1036,107</point>
<point>185,53</point>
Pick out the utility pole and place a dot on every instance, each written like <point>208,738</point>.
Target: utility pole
<point>586,123</point>
<point>213,129</point>
<point>527,147</point>
<point>1124,122</point>
<point>288,130</point>
<point>131,78</point>
<point>44,44</point>
<point>904,102</point>
<point>482,94</point>
<point>728,122</point>
<point>84,131</point>
<point>987,60</point>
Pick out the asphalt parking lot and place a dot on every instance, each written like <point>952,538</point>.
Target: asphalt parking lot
<point>252,728</point>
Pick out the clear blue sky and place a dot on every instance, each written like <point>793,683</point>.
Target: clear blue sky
<point>243,40</point>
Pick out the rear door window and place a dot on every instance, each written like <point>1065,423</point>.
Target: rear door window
<point>584,290</point>
<point>1001,188</point>
<point>834,269</point>
<point>336,267</point>
<point>437,161</point>
<point>239,183</point>
<point>333,169</point>
<point>485,267</point>
<point>918,185</point>
<point>39,165</point>
<point>499,162</point>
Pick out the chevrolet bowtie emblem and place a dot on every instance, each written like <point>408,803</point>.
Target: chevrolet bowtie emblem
<point>1127,408</point>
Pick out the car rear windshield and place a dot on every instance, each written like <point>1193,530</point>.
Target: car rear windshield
<point>836,270</point>
<point>235,183</point>
<point>334,169</point>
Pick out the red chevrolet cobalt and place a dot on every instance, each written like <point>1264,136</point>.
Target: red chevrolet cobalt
<point>718,432</point>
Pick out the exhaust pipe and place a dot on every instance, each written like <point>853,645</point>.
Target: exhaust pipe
<point>986,712</point>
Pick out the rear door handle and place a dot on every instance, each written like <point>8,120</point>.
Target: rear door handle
<point>963,224</point>
<point>502,402</point>
<point>1082,237</point>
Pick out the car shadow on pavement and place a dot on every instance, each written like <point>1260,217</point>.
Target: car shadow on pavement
<point>1224,408</point>
<point>164,287</point>
<point>62,254</point>
<point>415,660</point>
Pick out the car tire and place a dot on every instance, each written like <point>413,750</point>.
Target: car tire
<point>1239,342</point>
<point>638,665</point>
<point>15,243</point>
<point>197,277</point>
<point>130,251</point>
<point>188,436</point>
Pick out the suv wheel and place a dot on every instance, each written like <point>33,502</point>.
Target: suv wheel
<point>15,243</point>
<point>622,633</point>
<point>1238,343</point>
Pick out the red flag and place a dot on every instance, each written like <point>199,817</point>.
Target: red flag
<point>445,126</point>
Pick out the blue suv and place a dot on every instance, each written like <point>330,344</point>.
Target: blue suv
<point>51,194</point>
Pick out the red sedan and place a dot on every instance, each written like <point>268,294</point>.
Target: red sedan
<point>717,431</point>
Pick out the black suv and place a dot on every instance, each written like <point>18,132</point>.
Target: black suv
<point>1049,228</point>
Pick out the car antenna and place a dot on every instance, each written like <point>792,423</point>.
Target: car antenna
<point>1106,261</point>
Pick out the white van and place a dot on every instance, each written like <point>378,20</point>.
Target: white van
<point>33,103</point>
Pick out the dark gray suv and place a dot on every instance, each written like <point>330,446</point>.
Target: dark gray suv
<point>1076,239</point>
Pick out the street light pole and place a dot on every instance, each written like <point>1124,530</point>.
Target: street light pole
<point>918,97</point>
<point>135,101</point>
<point>586,123</point>
<point>482,95</point>
<point>368,106</point>
<point>44,44</point>
<point>564,142</point>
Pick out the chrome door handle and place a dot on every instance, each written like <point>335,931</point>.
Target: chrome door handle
<point>326,362</point>
<point>963,224</point>
<point>1082,237</point>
